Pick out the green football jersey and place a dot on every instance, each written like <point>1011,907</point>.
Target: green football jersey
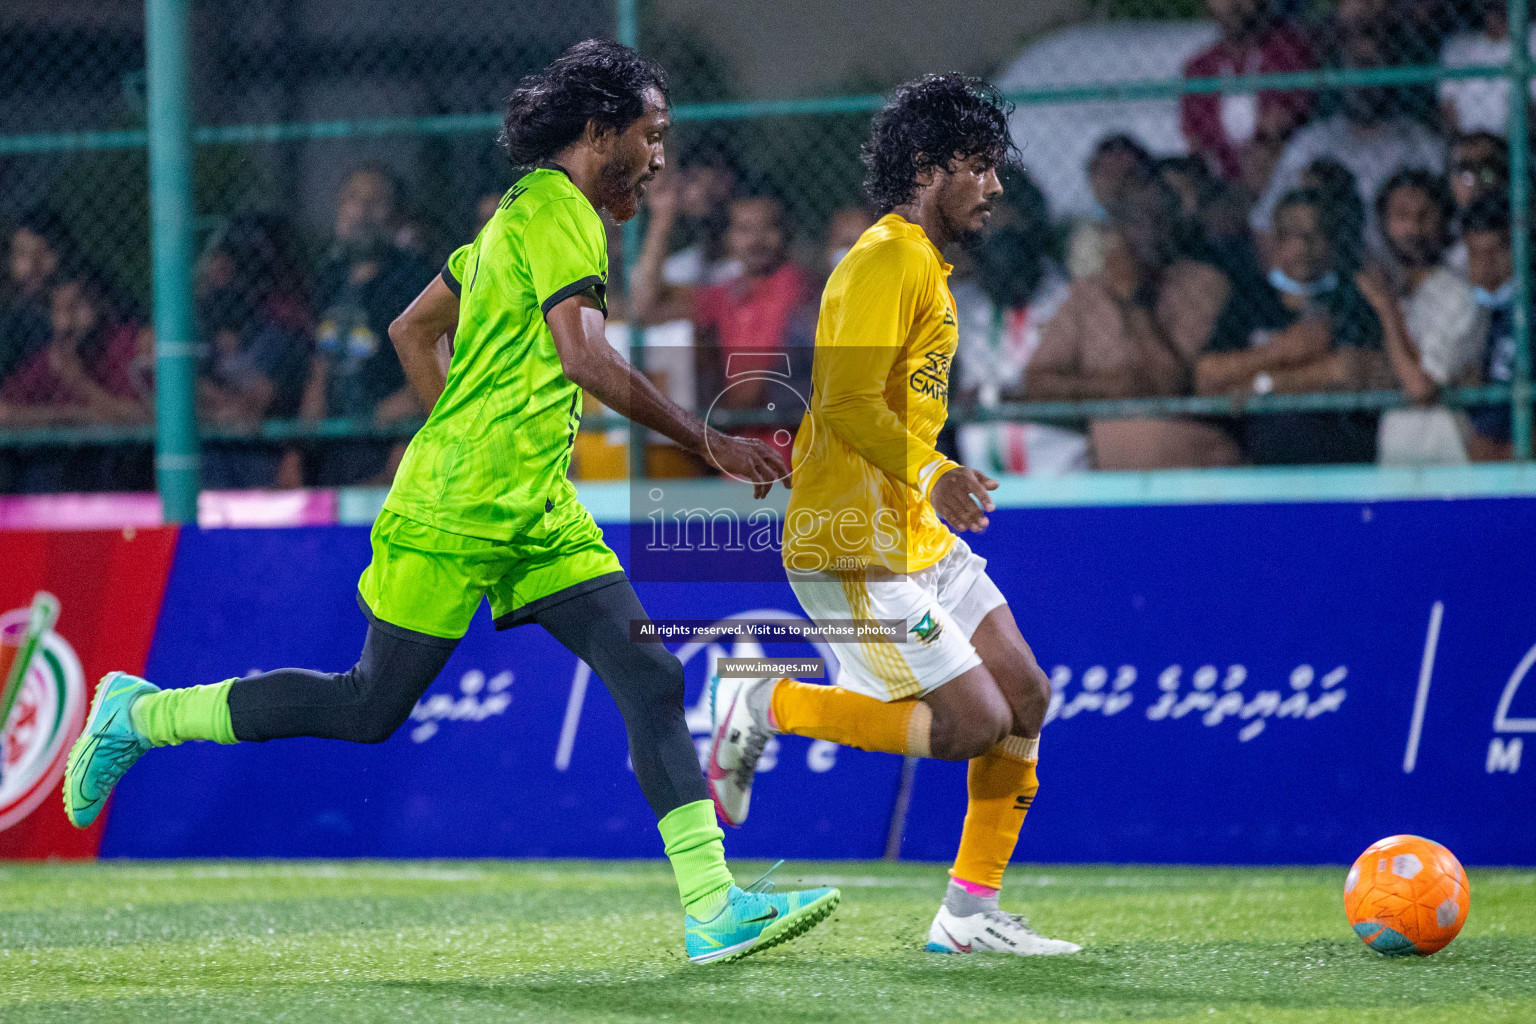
<point>492,459</point>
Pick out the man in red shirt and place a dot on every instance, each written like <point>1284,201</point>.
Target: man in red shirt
<point>1236,131</point>
<point>757,318</point>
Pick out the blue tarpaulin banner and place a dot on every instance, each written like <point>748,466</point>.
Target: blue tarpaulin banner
<point>1273,683</point>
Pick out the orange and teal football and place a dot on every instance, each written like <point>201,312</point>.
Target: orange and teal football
<point>1406,896</point>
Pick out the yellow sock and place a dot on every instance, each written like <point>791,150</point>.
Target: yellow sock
<point>1002,784</point>
<point>841,716</point>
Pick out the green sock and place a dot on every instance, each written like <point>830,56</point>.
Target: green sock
<point>696,847</point>
<point>191,713</point>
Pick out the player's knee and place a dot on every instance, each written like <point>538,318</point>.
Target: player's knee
<point>1033,699</point>
<point>377,722</point>
<point>1027,689</point>
<point>972,732</point>
<point>664,674</point>
<point>374,730</point>
<point>648,676</point>
<point>379,708</point>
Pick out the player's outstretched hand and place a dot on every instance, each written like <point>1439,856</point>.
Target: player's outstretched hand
<point>961,498</point>
<point>747,458</point>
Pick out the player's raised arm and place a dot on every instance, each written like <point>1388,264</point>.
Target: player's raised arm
<point>589,361</point>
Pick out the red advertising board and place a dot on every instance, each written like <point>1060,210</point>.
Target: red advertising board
<point>109,584</point>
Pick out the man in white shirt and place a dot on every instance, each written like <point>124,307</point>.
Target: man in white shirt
<point>1369,135</point>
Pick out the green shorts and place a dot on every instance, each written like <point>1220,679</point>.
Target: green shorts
<point>429,581</point>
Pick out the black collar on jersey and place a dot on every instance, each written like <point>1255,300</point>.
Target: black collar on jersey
<point>550,165</point>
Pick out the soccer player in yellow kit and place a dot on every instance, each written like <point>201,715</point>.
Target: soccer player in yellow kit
<point>863,537</point>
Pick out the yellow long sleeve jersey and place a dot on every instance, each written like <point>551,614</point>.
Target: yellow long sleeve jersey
<point>864,460</point>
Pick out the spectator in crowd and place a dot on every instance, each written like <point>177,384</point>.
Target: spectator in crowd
<point>1241,134</point>
<point>1346,211</point>
<point>693,203</point>
<point>87,373</point>
<point>1308,330</point>
<point>1118,165</point>
<point>691,206</point>
<point>1213,225</point>
<point>1479,165</point>
<point>689,209</point>
<point>1433,329</point>
<point>254,322</point>
<point>1134,331</point>
<point>843,230</point>
<point>753,316</point>
<point>1480,104</point>
<point>1014,291</point>
<point>39,247</point>
<point>1485,228</point>
<point>1369,135</point>
<point>366,282</point>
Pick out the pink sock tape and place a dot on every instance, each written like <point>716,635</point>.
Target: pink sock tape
<point>977,889</point>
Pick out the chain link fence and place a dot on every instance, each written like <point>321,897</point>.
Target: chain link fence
<point>1311,215</point>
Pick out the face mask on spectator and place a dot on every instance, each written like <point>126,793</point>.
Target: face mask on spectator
<point>1283,282</point>
<point>1499,298</point>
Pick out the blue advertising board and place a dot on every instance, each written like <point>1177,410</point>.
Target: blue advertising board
<point>1258,683</point>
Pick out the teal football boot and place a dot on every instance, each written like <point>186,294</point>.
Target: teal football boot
<point>756,918</point>
<point>106,749</point>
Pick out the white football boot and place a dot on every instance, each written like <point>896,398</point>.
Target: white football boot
<point>738,710</point>
<point>991,931</point>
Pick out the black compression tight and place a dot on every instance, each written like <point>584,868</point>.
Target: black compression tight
<point>369,701</point>
<point>646,682</point>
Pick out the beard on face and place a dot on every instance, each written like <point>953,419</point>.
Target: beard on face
<point>959,222</point>
<point>618,190</point>
<point>1416,251</point>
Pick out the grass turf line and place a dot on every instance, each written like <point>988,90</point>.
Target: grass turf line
<point>586,942</point>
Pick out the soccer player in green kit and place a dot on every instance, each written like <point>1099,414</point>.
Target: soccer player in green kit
<point>482,505</point>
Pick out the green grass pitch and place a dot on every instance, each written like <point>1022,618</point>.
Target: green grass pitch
<point>338,942</point>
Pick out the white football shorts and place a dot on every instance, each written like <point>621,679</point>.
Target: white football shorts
<point>941,605</point>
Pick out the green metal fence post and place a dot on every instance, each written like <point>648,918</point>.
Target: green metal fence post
<point>166,36</point>
<point>627,31</point>
<point>1520,219</point>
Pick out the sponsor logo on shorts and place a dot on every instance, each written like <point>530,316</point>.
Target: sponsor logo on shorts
<point>928,629</point>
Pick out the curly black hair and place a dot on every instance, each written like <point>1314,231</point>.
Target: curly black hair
<point>929,123</point>
<point>596,81</point>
